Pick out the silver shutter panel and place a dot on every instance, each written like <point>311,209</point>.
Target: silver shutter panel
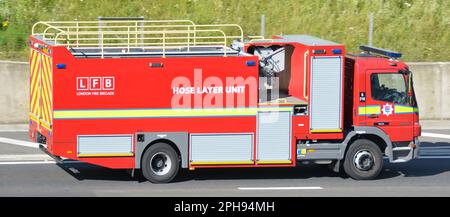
<point>326,92</point>
<point>274,136</point>
<point>221,147</point>
<point>105,144</point>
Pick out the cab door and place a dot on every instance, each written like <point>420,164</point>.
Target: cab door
<point>387,96</point>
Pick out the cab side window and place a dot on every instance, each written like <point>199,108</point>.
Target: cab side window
<point>389,88</point>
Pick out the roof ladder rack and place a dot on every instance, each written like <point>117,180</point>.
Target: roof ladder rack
<point>134,36</point>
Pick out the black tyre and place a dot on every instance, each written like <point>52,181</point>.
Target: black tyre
<point>363,160</point>
<point>160,163</point>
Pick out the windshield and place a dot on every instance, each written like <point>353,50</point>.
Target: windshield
<point>389,87</point>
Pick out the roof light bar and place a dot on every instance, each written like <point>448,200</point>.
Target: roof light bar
<point>380,51</point>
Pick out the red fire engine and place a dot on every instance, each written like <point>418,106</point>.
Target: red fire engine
<point>159,96</point>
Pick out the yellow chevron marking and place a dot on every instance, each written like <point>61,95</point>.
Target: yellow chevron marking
<point>49,65</point>
<point>49,90</point>
<point>45,97</point>
<point>49,79</point>
<point>45,125</point>
<point>34,118</point>
<point>36,92</point>
<point>35,81</point>
<point>32,70</point>
<point>41,89</point>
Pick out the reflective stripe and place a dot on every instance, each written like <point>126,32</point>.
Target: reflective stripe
<point>400,109</point>
<point>267,109</point>
<point>327,131</point>
<point>148,113</point>
<point>156,113</point>
<point>274,162</point>
<point>368,110</point>
<point>107,155</point>
<point>222,163</point>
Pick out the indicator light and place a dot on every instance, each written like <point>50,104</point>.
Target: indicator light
<point>321,51</point>
<point>336,51</point>
<point>61,66</point>
<point>250,63</point>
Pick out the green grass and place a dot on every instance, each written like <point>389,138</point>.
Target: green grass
<point>420,29</point>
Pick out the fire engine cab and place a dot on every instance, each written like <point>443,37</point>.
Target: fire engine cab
<point>160,96</point>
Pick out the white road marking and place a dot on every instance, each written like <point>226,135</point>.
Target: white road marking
<point>37,162</point>
<point>27,162</point>
<point>278,188</point>
<point>24,157</point>
<point>19,142</point>
<point>14,128</point>
<point>436,135</point>
<point>434,147</point>
<point>434,157</point>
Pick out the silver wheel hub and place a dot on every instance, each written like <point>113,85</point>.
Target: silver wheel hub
<point>363,160</point>
<point>160,163</point>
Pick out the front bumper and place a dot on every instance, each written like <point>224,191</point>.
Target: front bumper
<point>416,150</point>
<point>405,153</point>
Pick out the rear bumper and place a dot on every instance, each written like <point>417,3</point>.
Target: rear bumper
<point>56,158</point>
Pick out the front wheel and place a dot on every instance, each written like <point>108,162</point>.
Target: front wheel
<point>160,163</point>
<point>363,160</point>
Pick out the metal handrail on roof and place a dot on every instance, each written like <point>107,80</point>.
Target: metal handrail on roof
<point>149,36</point>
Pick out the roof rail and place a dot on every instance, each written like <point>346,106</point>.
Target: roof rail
<point>128,35</point>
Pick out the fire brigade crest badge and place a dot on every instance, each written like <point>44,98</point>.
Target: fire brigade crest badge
<point>387,109</point>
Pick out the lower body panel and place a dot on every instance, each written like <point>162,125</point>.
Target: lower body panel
<point>212,141</point>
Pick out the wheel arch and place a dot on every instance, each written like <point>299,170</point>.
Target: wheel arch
<point>177,140</point>
<point>371,137</point>
<point>165,141</point>
<point>374,134</point>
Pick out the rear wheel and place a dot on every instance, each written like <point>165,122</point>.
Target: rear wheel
<point>363,160</point>
<point>160,163</point>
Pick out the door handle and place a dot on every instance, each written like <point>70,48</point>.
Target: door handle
<point>381,123</point>
<point>373,116</point>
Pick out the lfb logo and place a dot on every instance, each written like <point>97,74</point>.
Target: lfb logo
<point>95,83</point>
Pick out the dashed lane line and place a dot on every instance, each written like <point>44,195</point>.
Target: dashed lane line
<point>278,188</point>
<point>435,135</point>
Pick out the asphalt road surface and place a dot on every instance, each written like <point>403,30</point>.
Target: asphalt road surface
<point>26,171</point>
